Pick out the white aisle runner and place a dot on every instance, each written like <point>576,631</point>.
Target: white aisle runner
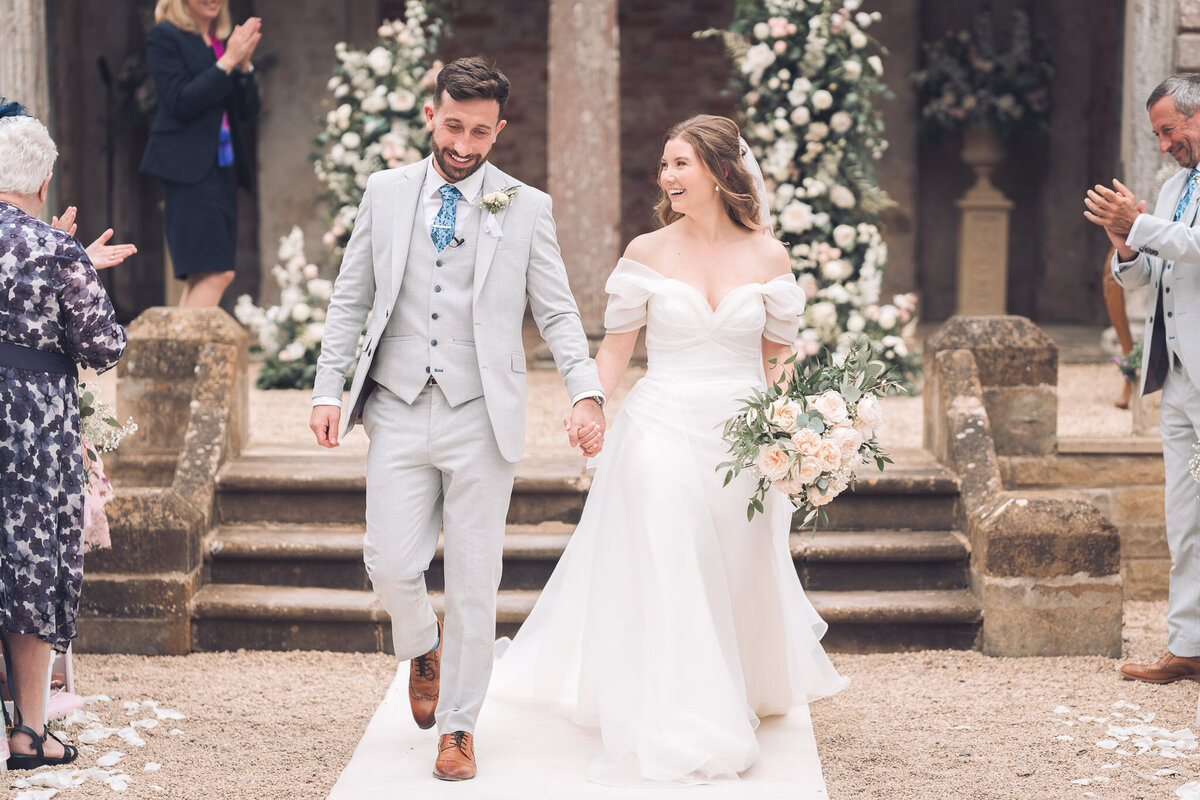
<point>525,751</point>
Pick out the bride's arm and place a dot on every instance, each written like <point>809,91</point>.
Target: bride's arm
<point>613,357</point>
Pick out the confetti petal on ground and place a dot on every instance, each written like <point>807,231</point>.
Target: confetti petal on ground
<point>144,723</point>
<point>36,794</point>
<point>109,759</point>
<point>168,713</point>
<point>1065,738</point>
<point>96,698</point>
<point>1189,791</point>
<point>1062,710</point>
<point>152,767</point>
<point>1107,744</point>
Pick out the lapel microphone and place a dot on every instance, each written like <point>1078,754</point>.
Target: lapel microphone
<point>456,241</point>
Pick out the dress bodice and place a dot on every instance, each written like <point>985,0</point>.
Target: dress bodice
<point>689,340</point>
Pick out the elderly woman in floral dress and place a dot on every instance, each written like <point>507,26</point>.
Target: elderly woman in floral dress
<point>54,314</point>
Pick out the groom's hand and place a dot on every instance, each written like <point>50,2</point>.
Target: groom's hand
<point>585,427</point>
<point>324,423</point>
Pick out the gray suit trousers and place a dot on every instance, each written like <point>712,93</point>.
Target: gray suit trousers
<point>1180,424</point>
<point>431,467</point>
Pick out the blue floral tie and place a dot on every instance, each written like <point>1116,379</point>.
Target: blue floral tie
<point>1186,200</point>
<point>442,230</point>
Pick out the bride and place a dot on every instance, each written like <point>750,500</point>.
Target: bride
<point>671,622</point>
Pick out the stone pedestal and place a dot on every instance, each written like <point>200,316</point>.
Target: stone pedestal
<point>1018,374</point>
<point>156,380</point>
<point>983,230</point>
<point>585,147</point>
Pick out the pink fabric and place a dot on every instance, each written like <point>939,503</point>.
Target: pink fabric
<point>219,48</point>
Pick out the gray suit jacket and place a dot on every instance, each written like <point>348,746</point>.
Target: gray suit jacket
<point>1160,242</point>
<point>522,264</point>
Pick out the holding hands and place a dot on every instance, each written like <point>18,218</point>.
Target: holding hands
<point>585,426</point>
<point>241,44</point>
<point>102,254</point>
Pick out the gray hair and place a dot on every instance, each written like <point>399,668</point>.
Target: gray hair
<point>1183,89</point>
<point>27,154</point>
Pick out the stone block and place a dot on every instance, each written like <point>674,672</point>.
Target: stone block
<point>1009,350</point>
<point>152,531</point>
<point>1082,469</point>
<point>1042,535</point>
<point>1024,419</point>
<point>957,427</point>
<point>1189,15</point>
<point>1139,504</point>
<point>158,372</point>
<point>1147,578</point>
<point>1187,52</point>
<point>1063,616</point>
<point>1144,540</point>
<point>143,637</point>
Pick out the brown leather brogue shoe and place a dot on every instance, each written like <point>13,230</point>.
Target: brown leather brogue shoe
<point>456,757</point>
<point>1167,669</point>
<point>424,677</point>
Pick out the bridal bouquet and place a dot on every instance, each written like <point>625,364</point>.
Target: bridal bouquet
<point>806,436</point>
<point>101,432</point>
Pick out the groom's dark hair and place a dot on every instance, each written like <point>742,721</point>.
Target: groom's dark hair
<point>472,78</point>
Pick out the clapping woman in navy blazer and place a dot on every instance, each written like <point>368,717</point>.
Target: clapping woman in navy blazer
<point>206,94</point>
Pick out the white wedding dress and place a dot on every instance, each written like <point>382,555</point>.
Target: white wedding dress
<point>671,622</point>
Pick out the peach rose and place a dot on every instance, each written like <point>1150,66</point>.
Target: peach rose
<point>869,412</point>
<point>789,485</point>
<point>783,413</point>
<point>806,441</point>
<point>816,498</point>
<point>809,471</point>
<point>849,440</point>
<point>773,462</point>
<point>831,405</point>
<point>829,455</point>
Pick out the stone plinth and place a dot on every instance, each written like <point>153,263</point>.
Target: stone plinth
<point>1017,367</point>
<point>137,596</point>
<point>157,377</point>
<point>1045,565</point>
<point>983,230</point>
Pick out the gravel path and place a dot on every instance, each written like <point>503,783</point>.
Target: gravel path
<point>935,724</point>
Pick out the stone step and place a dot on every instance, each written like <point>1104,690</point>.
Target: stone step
<point>233,616</point>
<point>321,488</point>
<point>331,557</point>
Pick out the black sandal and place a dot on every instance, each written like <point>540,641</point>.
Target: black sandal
<point>30,760</point>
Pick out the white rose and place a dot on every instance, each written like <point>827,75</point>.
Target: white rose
<point>311,271</point>
<point>321,287</point>
<point>858,40</point>
<point>844,236</point>
<point>800,115</point>
<point>863,19</point>
<point>380,61</point>
<point>773,462</point>
<point>809,470</point>
<point>796,217</point>
<point>351,140</point>
<point>876,63</point>
<point>773,84</point>
<point>817,131</point>
<point>762,30</point>
<point>855,322</point>
<point>341,91</point>
<point>841,197</point>
<point>887,317</point>
<point>375,102</point>
<point>837,270</point>
<point>386,30</point>
<point>822,99</point>
<point>806,441</point>
<point>824,314</point>
<point>831,406</point>
<point>342,114</point>
<point>300,312</point>
<point>869,412</point>
<point>841,121</point>
<point>318,314</point>
<point>782,126</point>
<point>401,100</point>
<point>852,5</point>
<point>853,69</point>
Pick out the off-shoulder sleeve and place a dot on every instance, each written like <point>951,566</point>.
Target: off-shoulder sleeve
<point>629,289</point>
<point>784,301</point>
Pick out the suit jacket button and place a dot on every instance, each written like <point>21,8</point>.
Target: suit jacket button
<point>427,369</point>
<point>433,343</point>
<point>437,288</point>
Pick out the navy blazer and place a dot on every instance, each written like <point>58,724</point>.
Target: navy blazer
<point>193,92</point>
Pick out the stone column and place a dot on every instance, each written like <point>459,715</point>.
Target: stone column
<point>24,75</point>
<point>583,132</point>
<point>983,230</point>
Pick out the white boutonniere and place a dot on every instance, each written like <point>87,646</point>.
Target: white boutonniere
<point>494,203</point>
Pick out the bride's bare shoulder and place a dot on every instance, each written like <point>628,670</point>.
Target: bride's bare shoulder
<point>645,249</point>
<point>772,256</point>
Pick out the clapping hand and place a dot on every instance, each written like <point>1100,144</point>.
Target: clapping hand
<point>241,44</point>
<point>1115,211</point>
<point>102,254</point>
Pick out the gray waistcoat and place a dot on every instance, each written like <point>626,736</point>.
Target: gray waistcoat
<point>432,331</point>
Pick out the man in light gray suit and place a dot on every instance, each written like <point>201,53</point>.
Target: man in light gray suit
<point>444,256</point>
<point>1163,249</point>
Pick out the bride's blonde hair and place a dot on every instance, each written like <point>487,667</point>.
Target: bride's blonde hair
<point>176,13</point>
<point>717,145</point>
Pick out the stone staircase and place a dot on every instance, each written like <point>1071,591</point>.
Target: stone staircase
<point>284,560</point>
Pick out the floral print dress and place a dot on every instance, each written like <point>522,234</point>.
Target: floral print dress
<point>50,299</point>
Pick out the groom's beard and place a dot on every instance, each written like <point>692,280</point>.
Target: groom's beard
<point>453,171</point>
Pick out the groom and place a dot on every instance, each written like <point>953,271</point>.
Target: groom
<point>445,253</point>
